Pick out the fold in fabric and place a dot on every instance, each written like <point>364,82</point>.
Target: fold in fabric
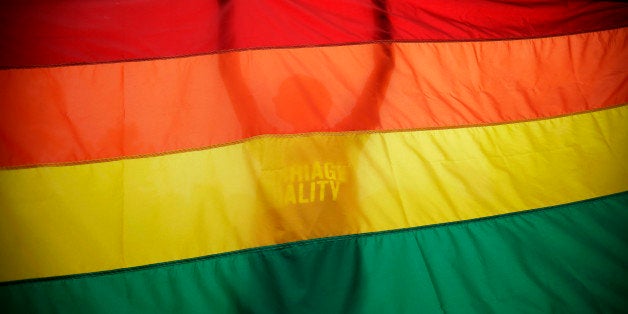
<point>44,33</point>
<point>568,258</point>
<point>96,112</point>
<point>274,190</point>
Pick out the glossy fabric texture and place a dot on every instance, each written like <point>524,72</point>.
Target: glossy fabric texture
<point>40,33</point>
<point>313,156</point>
<point>95,112</point>
<point>280,189</point>
<point>569,258</point>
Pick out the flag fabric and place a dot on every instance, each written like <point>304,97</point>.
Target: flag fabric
<point>303,156</point>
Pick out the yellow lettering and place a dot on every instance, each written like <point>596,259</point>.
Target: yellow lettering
<point>335,186</point>
<point>321,185</point>
<point>312,191</point>
<point>302,199</point>
<point>317,171</point>
<point>317,174</point>
<point>329,171</point>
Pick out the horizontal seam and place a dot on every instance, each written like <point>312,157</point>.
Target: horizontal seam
<point>402,41</point>
<point>303,243</point>
<point>308,134</point>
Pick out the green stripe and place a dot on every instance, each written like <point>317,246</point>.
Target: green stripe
<point>571,258</point>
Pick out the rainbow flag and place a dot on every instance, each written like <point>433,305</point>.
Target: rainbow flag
<point>314,156</point>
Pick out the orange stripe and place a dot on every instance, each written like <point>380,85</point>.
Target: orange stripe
<point>278,189</point>
<point>93,112</point>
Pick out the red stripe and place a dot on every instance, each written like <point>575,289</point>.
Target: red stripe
<point>40,33</point>
<point>96,112</point>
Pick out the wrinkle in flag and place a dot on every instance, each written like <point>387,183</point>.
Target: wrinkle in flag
<point>314,156</point>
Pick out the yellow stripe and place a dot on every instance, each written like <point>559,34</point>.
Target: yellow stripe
<point>84,218</point>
